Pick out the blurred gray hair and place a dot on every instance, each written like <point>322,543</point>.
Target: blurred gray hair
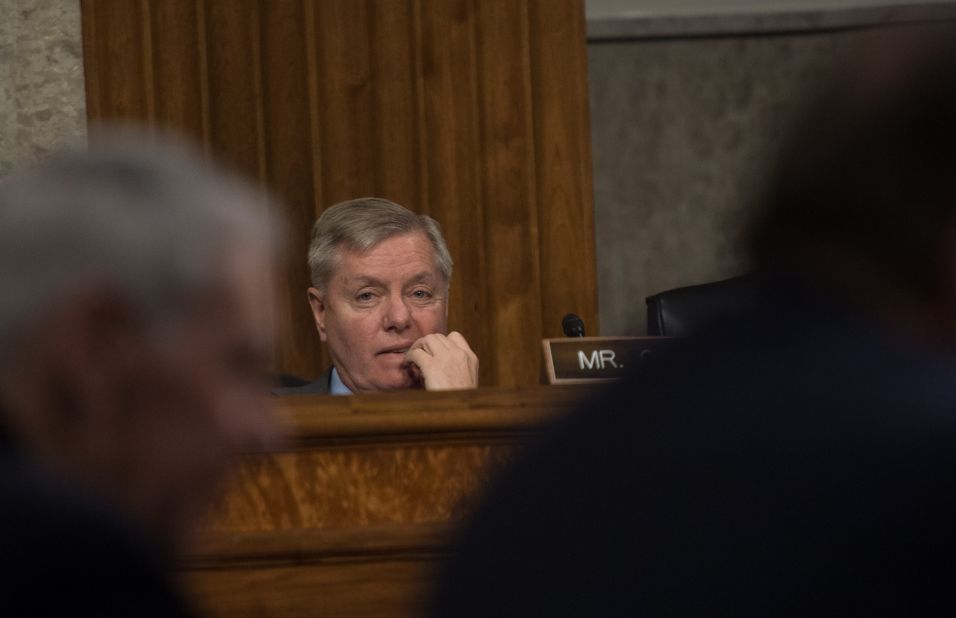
<point>145,219</point>
<point>359,225</point>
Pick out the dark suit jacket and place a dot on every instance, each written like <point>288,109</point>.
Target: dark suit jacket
<point>320,386</point>
<point>62,554</point>
<point>795,461</point>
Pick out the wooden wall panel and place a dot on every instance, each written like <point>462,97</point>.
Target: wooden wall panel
<point>472,111</point>
<point>177,26</point>
<point>509,191</point>
<point>113,40</point>
<point>452,158</point>
<point>345,99</point>
<point>292,156</point>
<point>395,94</point>
<point>563,164</point>
<point>234,76</point>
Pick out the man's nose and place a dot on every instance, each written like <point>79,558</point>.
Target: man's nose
<point>397,314</point>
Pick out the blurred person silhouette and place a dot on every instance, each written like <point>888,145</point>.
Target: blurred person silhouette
<point>135,325</point>
<point>796,460</point>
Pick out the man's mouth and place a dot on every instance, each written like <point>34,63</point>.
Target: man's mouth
<point>396,349</point>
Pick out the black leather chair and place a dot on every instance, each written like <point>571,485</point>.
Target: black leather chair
<point>681,311</point>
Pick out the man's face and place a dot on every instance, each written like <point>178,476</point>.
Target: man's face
<point>376,305</point>
<point>199,394</point>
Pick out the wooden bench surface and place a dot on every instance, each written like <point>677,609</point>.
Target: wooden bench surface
<point>350,515</point>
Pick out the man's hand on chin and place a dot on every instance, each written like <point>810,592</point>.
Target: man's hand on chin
<point>445,362</point>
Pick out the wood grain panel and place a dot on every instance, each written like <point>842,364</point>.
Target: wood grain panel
<point>113,60</point>
<point>410,457</point>
<point>234,75</point>
<point>175,25</point>
<point>474,112</point>
<point>393,587</point>
<point>351,514</point>
<point>509,190</point>
<point>369,572</point>
<point>405,458</point>
<point>452,160</point>
<point>290,158</point>
<point>339,487</point>
<point>563,166</point>
<point>345,99</point>
<point>395,94</point>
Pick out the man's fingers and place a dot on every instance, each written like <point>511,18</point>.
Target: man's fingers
<point>433,344</point>
<point>422,344</point>
<point>459,340</point>
<point>445,362</point>
<point>420,357</point>
<point>436,342</point>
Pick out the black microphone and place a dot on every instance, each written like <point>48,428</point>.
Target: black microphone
<point>572,325</point>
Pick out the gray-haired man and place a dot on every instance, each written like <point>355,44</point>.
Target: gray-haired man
<point>133,340</point>
<point>380,276</point>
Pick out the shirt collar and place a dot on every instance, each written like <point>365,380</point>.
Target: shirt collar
<point>337,386</point>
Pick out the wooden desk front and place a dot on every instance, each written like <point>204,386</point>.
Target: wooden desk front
<point>351,515</point>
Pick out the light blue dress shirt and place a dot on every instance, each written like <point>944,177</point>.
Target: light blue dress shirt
<point>336,386</point>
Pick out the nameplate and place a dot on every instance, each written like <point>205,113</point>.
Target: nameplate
<point>577,360</point>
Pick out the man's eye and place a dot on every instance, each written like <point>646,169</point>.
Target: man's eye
<point>365,297</point>
<point>421,294</point>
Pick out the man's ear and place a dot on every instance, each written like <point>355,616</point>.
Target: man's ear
<point>317,302</point>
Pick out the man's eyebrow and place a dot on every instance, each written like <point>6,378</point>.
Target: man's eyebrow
<point>422,277</point>
<point>362,281</point>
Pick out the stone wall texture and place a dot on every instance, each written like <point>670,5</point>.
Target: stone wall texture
<point>683,132</point>
<point>42,101</point>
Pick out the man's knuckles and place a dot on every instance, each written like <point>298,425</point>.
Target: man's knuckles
<point>420,357</point>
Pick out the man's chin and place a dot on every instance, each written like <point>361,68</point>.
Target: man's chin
<point>400,379</point>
